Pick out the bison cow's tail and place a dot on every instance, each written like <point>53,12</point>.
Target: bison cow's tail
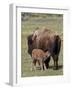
<point>57,44</point>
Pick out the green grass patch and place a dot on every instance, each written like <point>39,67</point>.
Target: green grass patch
<point>53,22</point>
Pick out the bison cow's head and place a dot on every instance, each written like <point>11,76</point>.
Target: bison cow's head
<point>29,39</point>
<point>31,43</point>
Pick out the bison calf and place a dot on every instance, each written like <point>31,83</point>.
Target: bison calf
<point>39,56</point>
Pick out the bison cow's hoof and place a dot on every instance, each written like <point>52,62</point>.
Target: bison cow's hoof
<point>55,68</point>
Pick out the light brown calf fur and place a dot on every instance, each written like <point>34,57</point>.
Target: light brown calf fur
<point>39,56</point>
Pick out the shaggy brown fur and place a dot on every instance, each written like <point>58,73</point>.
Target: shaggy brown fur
<point>45,40</point>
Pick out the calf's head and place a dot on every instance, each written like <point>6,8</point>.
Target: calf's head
<point>47,55</point>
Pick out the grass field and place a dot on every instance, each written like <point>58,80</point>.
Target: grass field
<point>28,24</point>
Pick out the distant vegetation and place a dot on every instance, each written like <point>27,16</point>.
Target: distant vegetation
<point>26,16</point>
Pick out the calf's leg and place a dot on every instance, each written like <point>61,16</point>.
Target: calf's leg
<point>33,67</point>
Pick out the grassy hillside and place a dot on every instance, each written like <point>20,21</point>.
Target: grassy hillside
<point>30,21</point>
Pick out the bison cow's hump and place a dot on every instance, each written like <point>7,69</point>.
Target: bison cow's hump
<point>46,35</point>
<point>46,41</point>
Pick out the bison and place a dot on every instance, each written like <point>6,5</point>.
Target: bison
<point>46,40</point>
<point>39,56</point>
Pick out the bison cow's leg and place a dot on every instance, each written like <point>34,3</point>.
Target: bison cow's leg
<point>44,67</point>
<point>47,62</point>
<point>55,58</point>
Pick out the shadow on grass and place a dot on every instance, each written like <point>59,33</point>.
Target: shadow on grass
<point>51,67</point>
<point>59,67</point>
<point>7,83</point>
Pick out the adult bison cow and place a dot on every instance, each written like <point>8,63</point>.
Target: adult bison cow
<point>46,40</point>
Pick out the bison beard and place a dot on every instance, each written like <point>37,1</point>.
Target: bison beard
<point>47,41</point>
